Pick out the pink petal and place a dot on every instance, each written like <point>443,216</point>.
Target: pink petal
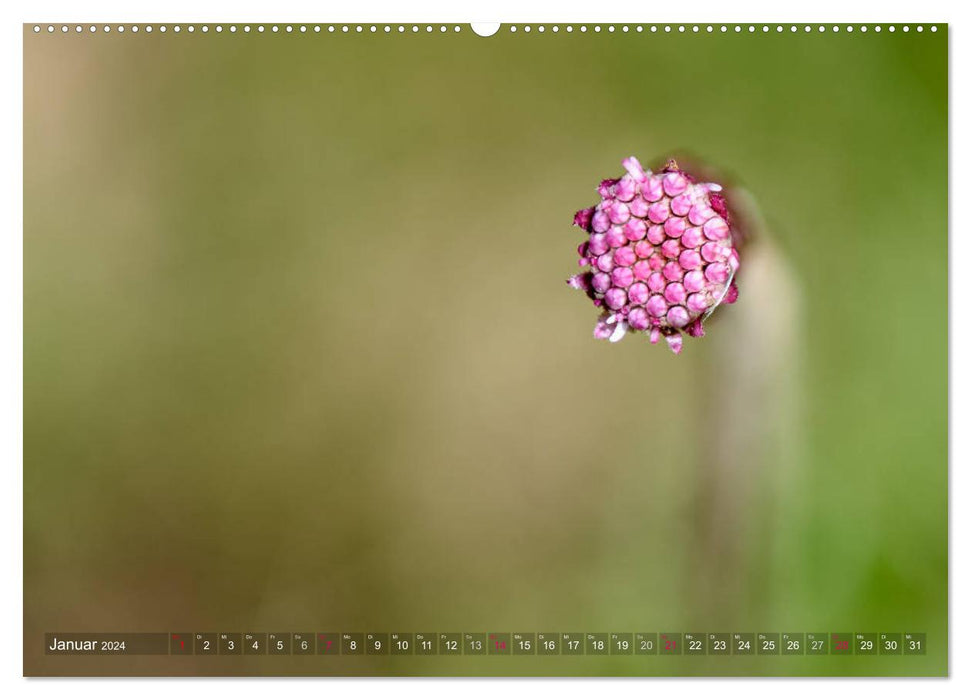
<point>695,329</point>
<point>675,341</point>
<point>633,166</point>
<point>583,218</point>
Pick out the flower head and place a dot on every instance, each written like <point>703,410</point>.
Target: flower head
<point>661,254</point>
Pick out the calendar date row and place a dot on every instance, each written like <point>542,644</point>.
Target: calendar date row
<point>491,643</point>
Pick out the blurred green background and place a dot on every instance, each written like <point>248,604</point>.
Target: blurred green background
<point>298,355</point>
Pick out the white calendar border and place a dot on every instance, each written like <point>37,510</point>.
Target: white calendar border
<point>11,321</point>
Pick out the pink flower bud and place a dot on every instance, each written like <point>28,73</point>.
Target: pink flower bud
<point>689,259</point>
<point>615,298</point>
<point>712,252</point>
<point>615,237</point>
<point>659,212</point>
<point>656,306</point>
<point>622,277</point>
<point>678,316</point>
<point>681,205</point>
<point>699,214</point>
<point>656,282</point>
<point>624,257</point>
<point>674,293</point>
<point>692,237</point>
<point>638,207</point>
<point>638,319</point>
<point>642,269</point>
<point>661,254</point>
<point>600,282</point>
<point>715,228</point>
<point>671,248</point>
<point>598,244</point>
<point>635,229</point>
<point>717,273</point>
<point>626,188</point>
<point>605,262</point>
<point>651,189</point>
<point>638,293</point>
<point>674,183</point>
<point>600,221</point>
<point>619,213</point>
<point>694,281</point>
<point>673,272</point>
<point>697,303</point>
<point>674,226</point>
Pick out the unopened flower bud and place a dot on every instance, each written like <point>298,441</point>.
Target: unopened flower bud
<point>661,254</point>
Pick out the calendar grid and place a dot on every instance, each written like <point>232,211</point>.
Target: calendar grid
<point>488,644</point>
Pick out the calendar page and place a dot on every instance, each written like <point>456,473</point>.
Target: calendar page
<point>549,349</point>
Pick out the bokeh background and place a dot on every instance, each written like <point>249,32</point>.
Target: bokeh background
<point>299,356</point>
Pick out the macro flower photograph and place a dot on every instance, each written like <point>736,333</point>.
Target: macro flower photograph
<point>576,330</point>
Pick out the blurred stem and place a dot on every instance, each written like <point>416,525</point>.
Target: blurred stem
<point>752,454</point>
